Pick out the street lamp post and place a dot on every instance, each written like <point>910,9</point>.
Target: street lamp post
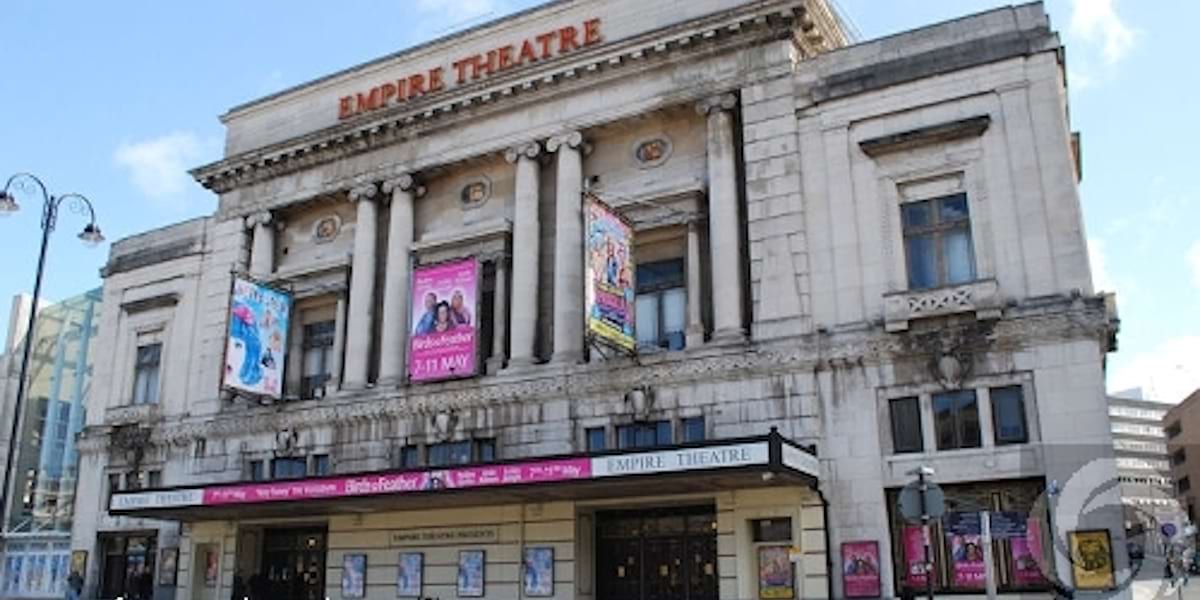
<point>77,203</point>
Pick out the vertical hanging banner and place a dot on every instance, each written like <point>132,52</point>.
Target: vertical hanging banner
<point>256,350</point>
<point>914,555</point>
<point>444,331</point>
<point>609,288</point>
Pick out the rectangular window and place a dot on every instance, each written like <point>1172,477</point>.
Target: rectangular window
<point>145,374</point>
<point>1174,429</point>
<point>937,242</point>
<point>410,457</point>
<point>772,530</point>
<point>154,479</point>
<point>463,452</point>
<point>317,360</point>
<point>289,468</point>
<point>1008,415</point>
<point>596,440</point>
<point>906,425</point>
<point>1185,484</point>
<point>1179,457</point>
<point>692,429</point>
<point>644,435</point>
<point>114,484</point>
<point>956,420</point>
<point>661,304</point>
<point>320,464</point>
<point>256,470</point>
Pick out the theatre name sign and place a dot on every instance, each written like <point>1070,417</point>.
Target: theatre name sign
<point>472,67</point>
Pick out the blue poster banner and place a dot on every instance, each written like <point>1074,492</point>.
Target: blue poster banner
<point>256,350</point>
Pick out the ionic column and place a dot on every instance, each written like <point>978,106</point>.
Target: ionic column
<point>262,244</point>
<point>403,191</point>
<point>723,239</point>
<point>568,247</point>
<point>499,315</point>
<point>339,343</point>
<point>362,288</point>
<point>695,326</point>
<point>526,231</point>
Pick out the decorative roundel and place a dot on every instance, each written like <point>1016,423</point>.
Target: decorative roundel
<point>476,192</point>
<point>326,229</point>
<point>652,152</point>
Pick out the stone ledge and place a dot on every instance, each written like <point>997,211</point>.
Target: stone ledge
<point>133,413</point>
<point>925,136</point>
<point>981,297</point>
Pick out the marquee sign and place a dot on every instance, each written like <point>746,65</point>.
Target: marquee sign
<point>471,68</point>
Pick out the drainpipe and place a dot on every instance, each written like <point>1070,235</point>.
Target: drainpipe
<point>828,549</point>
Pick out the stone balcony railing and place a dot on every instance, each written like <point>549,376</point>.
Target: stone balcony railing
<point>131,413</point>
<point>981,297</point>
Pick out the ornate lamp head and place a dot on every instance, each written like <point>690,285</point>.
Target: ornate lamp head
<point>8,204</point>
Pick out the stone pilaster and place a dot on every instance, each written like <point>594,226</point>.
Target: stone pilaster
<point>723,239</point>
<point>262,245</point>
<point>362,287</point>
<point>568,247</point>
<point>695,322</point>
<point>499,316</point>
<point>403,191</point>
<point>526,233</point>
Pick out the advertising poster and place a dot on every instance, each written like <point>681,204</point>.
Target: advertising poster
<point>1091,559</point>
<point>860,569</point>
<point>609,288</point>
<point>256,350</point>
<point>914,554</point>
<point>775,578</point>
<point>354,576</point>
<point>409,574</point>
<point>539,572</point>
<point>443,341</point>
<point>79,562</point>
<point>966,556</point>
<point>168,566</point>
<point>1026,559</point>
<point>470,573</point>
<point>211,566</point>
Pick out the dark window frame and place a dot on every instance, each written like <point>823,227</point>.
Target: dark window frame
<point>958,415</point>
<point>659,430</point>
<point>937,229</point>
<point>897,446</point>
<point>659,287</point>
<point>592,434</point>
<point>317,336</point>
<point>1004,440</point>
<point>148,363</point>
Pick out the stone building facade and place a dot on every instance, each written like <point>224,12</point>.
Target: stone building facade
<point>1181,425</point>
<point>1143,467</point>
<point>851,261</point>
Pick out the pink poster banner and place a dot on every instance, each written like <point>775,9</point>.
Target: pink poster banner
<point>1027,556</point>
<point>443,340</point>
<point>567,469</point>
<point>860,569</point>
<point>966,554</point>
<point>914,553</point>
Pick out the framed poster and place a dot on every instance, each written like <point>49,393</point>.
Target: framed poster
<point>610,277</point>
<point>256,348</point>
<point>1027,558</point>
<point>539,572</point>
<point>444,308</point>
<point>860,569</point>
<point>1091,559</point>
<point>470,573</point>
<point>79,562</point>
<point>409,574</point>
<point>168,566</point>
<point>212,561</point>
<point>966,559</point>
<point>354,576</point>
<point>775,577</point>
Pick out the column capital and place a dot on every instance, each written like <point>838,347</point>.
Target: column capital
<point>404,182</point>
<point>259,218</point>
<point>569,139</point>
<point>719,102</point>
<point>526,150</point>
<point>364,191</point>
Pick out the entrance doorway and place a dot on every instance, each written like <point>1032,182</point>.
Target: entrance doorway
<point>127,570</point>
<point>657,554</point>
<point>293,565</point>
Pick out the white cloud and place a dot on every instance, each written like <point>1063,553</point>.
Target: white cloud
<point>1192,256</point>
<point>158,166</point>
<point>1168,372</point>
<point>1101,280</point>
<point>1096,21</point>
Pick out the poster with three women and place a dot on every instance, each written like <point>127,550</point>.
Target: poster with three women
<point>444,328</point>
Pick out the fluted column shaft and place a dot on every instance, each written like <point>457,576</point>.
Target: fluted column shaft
<point>262,244</point>
<point>362,288</point>
<point>526,234</point>
<point>695,326</point>
<point>723,239</point>
<point>568,247</point>
<point>393,348</point>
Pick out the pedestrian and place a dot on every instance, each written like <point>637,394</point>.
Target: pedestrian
<point>74,586</point>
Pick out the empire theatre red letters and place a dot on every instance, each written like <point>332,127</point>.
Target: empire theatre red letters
<point>540,47</point>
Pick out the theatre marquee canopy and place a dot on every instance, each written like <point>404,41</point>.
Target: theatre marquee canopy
<point>712,466</point>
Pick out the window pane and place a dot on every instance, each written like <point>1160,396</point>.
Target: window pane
<point>674,309</point>
<point>968,420</point>
<point>662,433</point>
<point>314,362</point>
<point>320,464</point>
<point>953,208</point>
<point>410,457</point>
<point>906,425</point>
<point>660,274</point>
<point>944,421</point>
<point>693,429</point>
<point>922,262</point>
<point>486,450</point>
<point>916,214</point>
<point>646,322</point>
<point>1008,414</point>
<point>956,254</point>
<point>772,530</point>
<point>256,470</point>
<point>595,439</point>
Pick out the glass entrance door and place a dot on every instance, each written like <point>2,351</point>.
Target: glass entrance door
<point>660,554</point>
<point>293,565</point>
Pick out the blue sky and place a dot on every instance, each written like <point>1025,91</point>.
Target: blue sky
<point>117,99</point>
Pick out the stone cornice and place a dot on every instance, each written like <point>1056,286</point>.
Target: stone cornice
<point>851,348</point>
<point>756,23</point>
